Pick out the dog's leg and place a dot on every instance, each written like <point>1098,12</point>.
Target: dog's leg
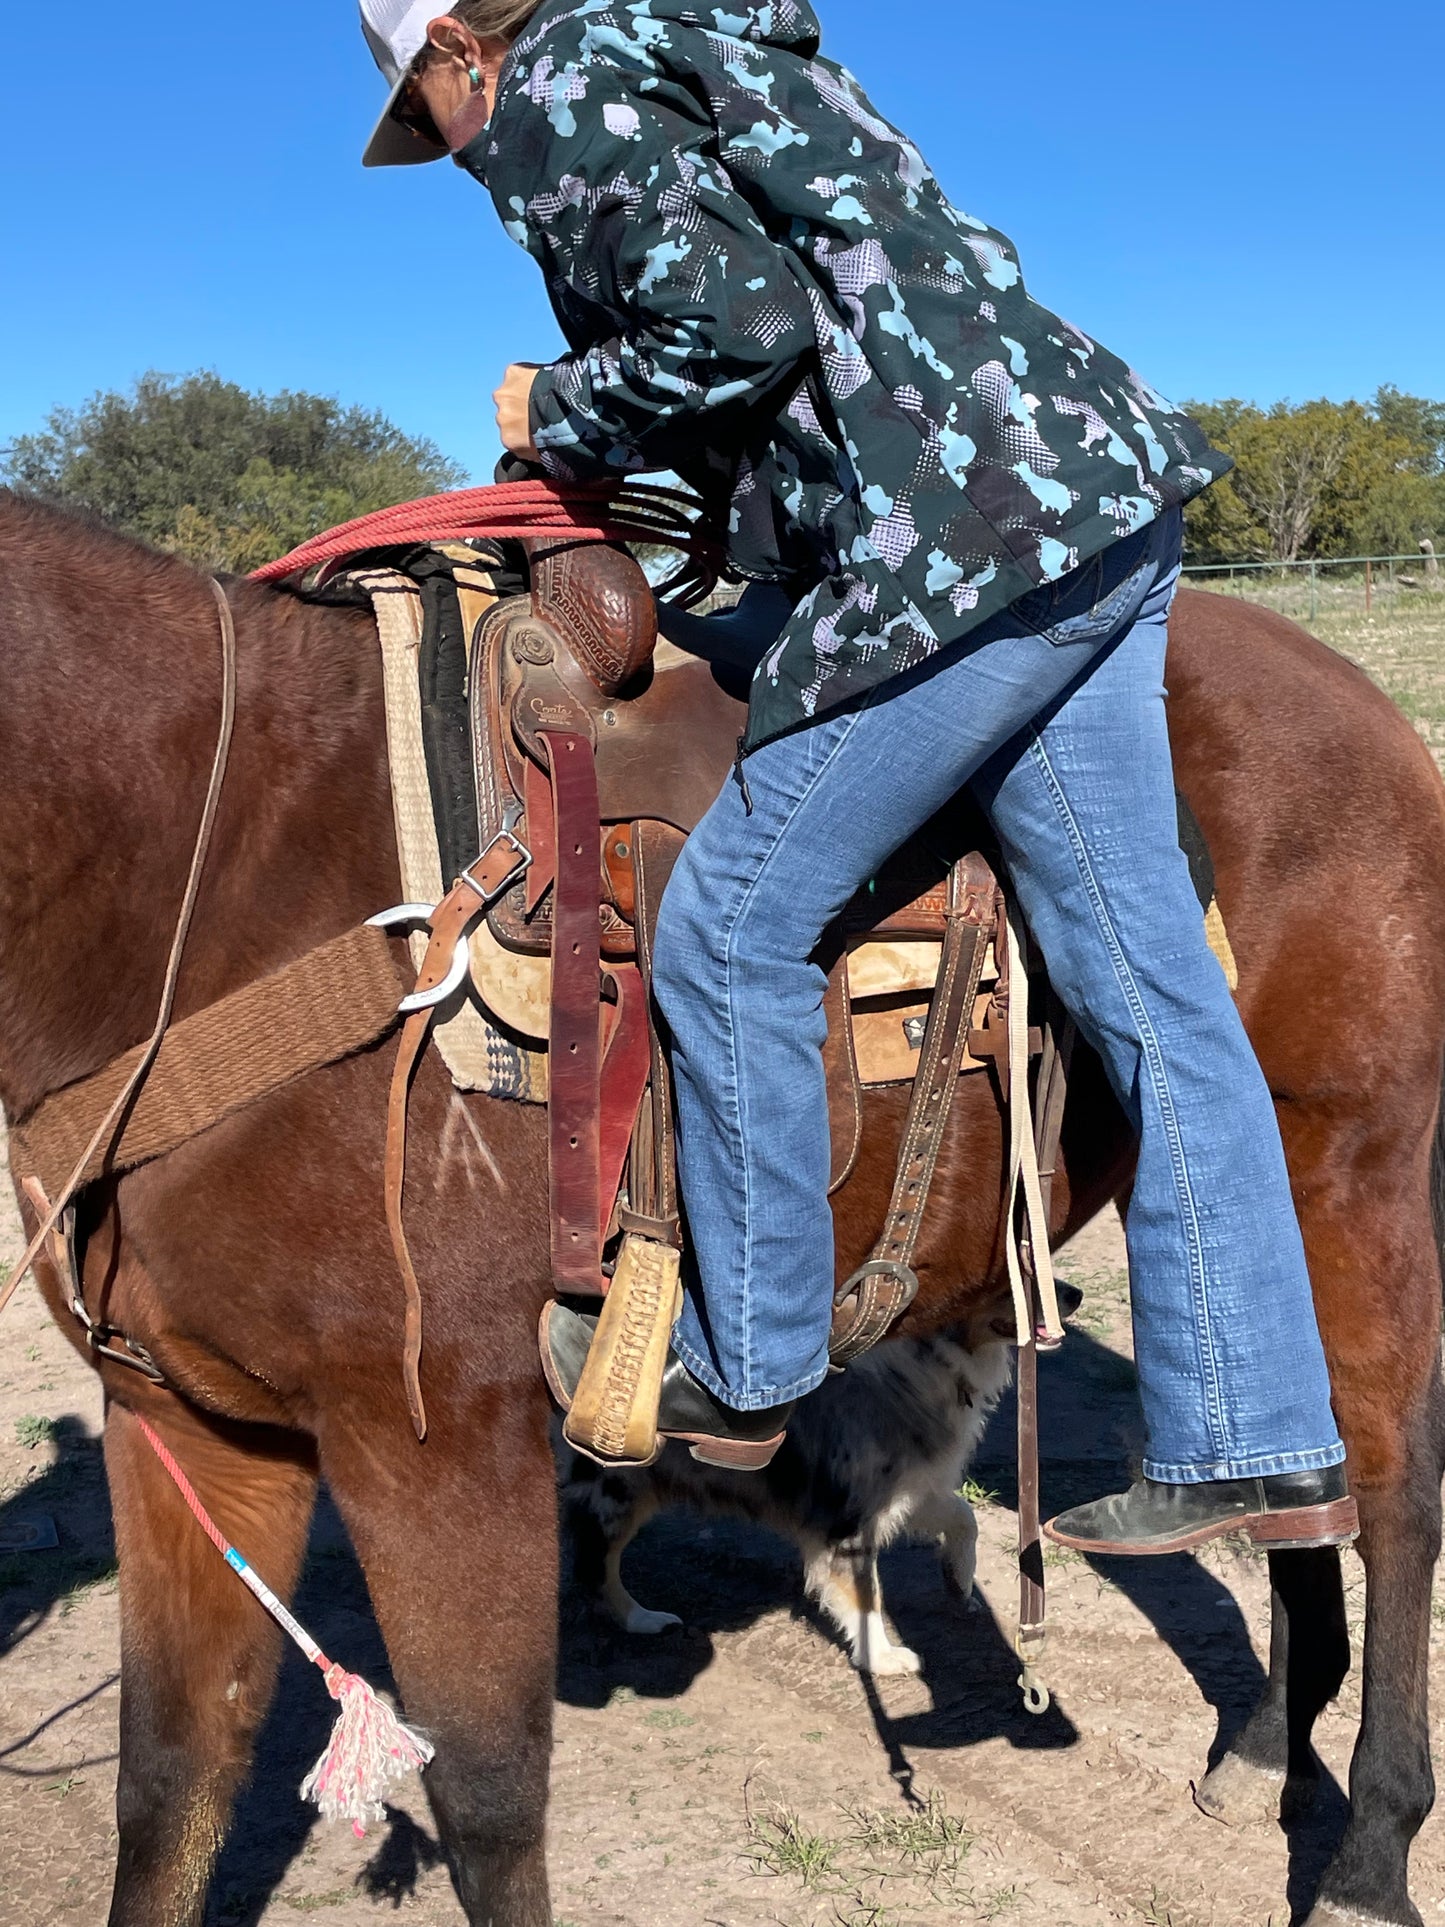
<point>949,1518</point>
<point>844,1581</point>
<point>605,1511</point>
<point>620,1603</point>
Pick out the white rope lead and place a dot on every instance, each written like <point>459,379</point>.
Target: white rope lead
<point>1023,1163</point>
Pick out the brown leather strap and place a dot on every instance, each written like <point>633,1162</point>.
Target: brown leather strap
<point>626,1061</point>
<point>140,1069</point>
<point>574,1073</point>
<point>541,833</point>
<point>1057,1049</point>
<point>653,1206</point>
<point>870,1301</point>
<point>468,897</point>
<point>840,1072</point>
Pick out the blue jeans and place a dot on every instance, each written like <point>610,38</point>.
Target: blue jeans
<point>1054,713</point>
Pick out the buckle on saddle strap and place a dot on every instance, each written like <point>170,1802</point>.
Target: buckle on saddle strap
<point>487,876</point>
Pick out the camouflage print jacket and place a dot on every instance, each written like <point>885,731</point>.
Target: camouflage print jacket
<point>765,290</point>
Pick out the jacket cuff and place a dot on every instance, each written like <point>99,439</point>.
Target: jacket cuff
<point>570,444</point>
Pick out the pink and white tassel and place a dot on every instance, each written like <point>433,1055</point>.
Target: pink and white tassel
<point>370,1749</point>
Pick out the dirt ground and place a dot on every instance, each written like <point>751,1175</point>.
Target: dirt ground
<point>738,1773</point>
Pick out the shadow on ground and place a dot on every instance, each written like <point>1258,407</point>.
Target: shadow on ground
<point>71,1494</point>
<point>721,1577</point>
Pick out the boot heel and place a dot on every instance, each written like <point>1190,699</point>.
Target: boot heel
<point>736,1455</point>
<point>1335,1524</point>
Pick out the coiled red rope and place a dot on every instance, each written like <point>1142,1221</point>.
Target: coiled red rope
<point>597,512</point>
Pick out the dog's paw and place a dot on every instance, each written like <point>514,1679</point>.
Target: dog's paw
<point>895,1661</point>
<point>649,1624</point>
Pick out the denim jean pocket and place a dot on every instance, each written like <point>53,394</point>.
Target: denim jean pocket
<point>1080,609</point>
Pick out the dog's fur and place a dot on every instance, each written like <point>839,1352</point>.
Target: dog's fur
<point>874,1454</point>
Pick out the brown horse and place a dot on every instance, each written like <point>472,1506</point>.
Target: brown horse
<point>255,1265</point>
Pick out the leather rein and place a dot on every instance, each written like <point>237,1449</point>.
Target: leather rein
<point>104,1132</point>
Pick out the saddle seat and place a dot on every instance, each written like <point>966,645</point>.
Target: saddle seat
<point>581,650</point>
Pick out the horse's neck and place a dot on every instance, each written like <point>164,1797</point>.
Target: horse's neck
<point>108,719</point>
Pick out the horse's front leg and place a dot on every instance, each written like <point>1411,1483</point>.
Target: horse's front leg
<point>458,1540</point>
<point>198,1654</point>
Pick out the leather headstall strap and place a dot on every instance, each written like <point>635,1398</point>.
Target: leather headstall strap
<point>473,892</point>
<point>118,1110</point>
<point>877,1294</point>
<point>1053,1078</point>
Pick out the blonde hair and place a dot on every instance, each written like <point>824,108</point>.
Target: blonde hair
<point>494,19</point>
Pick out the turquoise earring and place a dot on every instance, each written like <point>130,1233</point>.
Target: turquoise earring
<point>474,75</point>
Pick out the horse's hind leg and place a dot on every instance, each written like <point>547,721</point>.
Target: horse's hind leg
<point>198,1654</point>
<point>1392,1786</point>
<point>1375,1263</point>
<point>458,1540</point>
<point>1271,1768</point>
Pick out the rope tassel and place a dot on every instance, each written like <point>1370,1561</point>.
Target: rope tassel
<point>370,1749</point>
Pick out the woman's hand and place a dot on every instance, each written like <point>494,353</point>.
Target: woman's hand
<point>513,399</point>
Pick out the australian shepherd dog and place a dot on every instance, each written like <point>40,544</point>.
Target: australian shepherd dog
<point>876,1453</point>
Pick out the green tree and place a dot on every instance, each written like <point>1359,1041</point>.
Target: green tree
<point>222,476</point>
<point>1321,479</point>
<point>1417,421</point>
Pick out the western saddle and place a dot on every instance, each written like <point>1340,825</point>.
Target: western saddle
<point>593,755</point>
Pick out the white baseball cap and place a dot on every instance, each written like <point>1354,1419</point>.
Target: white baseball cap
<point>396,33</point>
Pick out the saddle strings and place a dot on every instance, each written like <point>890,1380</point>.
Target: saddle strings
<point>1023,1158</point>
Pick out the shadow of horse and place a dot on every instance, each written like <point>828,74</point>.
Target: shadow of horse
<point>71,1494</point>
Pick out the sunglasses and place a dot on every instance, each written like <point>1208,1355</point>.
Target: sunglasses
<point>412,113</point>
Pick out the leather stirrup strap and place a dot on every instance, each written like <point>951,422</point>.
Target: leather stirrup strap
<point>1058,1040</point>
<point>626,1059</point>
<point>653,1189</point>
<point>468,897</point>
<point>869,1302</point>
<point>574,1089</point>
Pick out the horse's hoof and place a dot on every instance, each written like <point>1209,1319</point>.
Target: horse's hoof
<point>1238,1794</point>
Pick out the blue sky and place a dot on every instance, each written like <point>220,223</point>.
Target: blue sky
<point>1243,199</point>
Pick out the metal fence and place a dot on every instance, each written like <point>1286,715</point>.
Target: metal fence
<point>1347,585</point>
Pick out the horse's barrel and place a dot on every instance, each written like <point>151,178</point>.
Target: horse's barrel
<point>600,601</point>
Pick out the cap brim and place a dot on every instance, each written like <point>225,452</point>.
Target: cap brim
<point>394,144</point>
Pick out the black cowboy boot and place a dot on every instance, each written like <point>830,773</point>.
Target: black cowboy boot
<point>1282,1512</point>
<point>717,1434</point>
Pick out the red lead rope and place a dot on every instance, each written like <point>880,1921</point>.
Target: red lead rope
<point>599,512</point>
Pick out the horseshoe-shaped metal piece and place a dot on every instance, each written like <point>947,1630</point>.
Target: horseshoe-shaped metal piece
<point>402,913</point>
<point>456,976</point>
<point>397,918</point>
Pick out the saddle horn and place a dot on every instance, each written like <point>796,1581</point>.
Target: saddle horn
<point>600,600</point>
